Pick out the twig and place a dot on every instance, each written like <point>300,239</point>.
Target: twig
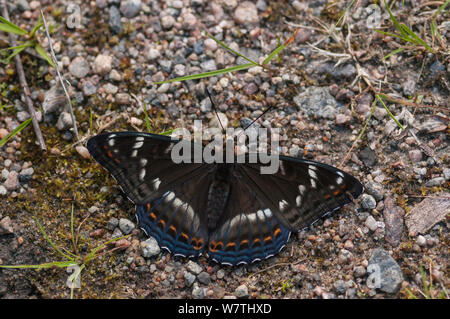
<point>276,265</point>
<point>55,62</point>
<point>23,83</point>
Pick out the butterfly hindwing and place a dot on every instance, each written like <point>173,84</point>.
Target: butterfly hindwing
<point>247,231</point>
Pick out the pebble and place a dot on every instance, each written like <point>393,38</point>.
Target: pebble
<point>393,220</point>
<point>435,182</point>
<point>112,223</point>
<point>79,67</point>
<point>198,292</point>
<point>446,172</point>
<point>123,98</point>
<point>130,8</point>
<point>375,189</point>
<point>210,44</point>
<point>102,64</point>
<point>421,241</point>
<point>371,223</point>
<point>83,151</point>
<point>344,257</point>
<point>116,233</point>
<point>12,182</point>
<point>317,101</point>
<point>359,271</point>
<point>385,270</point>
<point>241,291</point>
<point>3,190</point>
<point>149,248</point>
<point>188,278</point>
<point>340,286</point>
<point>245,13</point>
<point>204,278</point>
<point>126,226</point>
<point>3,133</point>
<point>6,226</point>
<point>193,267</point>
<point>368,202</point>
<point>89,88</point>
<point>114,20</point>
<point>167,21</point>
<point>415,155</point>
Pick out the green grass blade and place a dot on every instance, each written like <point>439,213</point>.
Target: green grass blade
<point>72,233</point>
<point>51,243</point>
<point>38,25</point>
<point>42,53</point>
<point>94,251</point>
<point>146,118</point>
<point>442,7</point>
<point>389,112</point>
<point>169,132</point>
<point>230,49</point>
<point>393,35</point>
<point>208,74</point>
<point>11,27</point>
<point>411,295</point>
<point>416,39</point>
<point>14,132</point>
<point>393,52</point>
<point>280,48</point>
<point>60,264</point>
<point>394,20</point>
<point>424,282</point>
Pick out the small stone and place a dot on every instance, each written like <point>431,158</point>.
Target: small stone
<point>83,151</point>
<point>112,223</point>
<point>193,267</point>
<point>368,157</point>
<point>79,67</point>
<point>115,75</point>
<point>446,172</point>
<point>150,248</point>
<point>6,226</point>
<point>387,274</point>
<point>167,22</point>
<point>241,291</point>
<point>188,278</point>
<point>415,155</point>
<point>89,88</point>
<point>220,274</point>
<point>123,98</point>
<point>340,286</point>
<point>189,21</point>
<point>116,233</point>
<point>208,65</point>
<point>246,12</point>
<point>250,88</point>
<point>342,119</point>
<point>435,182</point>
<point>198,293</point>
<point>359,271</point>
<point>114,20</point>
<point>375,189</point>
<point>126,226</point>
<point>393,220</point>
<point>344,257</point>
<point>3,133</point>
<point>130,8</point>
<point>421,241</point>
<point>364,103</point>
<point>110,88</point>
<point>371,223</point>
<point>210,44</point>
<point>368,202</point>
<point>12,182</point>
<point>102,64</point>
<point>204,278</point>
<point>3,190</point>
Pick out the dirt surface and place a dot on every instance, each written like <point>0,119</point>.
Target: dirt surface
<point>322,88</point>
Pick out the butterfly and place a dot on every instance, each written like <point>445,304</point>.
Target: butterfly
<point>228,211</point>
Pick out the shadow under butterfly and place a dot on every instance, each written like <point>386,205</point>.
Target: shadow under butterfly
<point>230,211</point>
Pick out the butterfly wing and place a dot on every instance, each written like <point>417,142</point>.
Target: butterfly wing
<point>170,199</point>
<point>302,191</point>
<point>247,230</point>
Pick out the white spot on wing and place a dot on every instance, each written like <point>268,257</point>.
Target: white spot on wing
<point>283,205</point>
<point>143,162</point>
<point>134,153</point>
<point>298,201</point>
<point>301,189</point>
<point>111,142</point>
<point>339,180</point>
<point>313,183</point>
<point>138,145</point>
<point>142,174</point>
<point>312,171</point>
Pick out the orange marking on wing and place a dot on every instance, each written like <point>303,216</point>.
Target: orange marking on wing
<point>277,232</point>
<point>148,206</point>
<point>268,238</point>
<point>336,192</point>
<point>184,235</point>
<point>343,186</point>
<point>231,244</point>
<point>327,196</point>
<point>162,222</point>
<point>173,228</point>
<point>110,154</point>
<point>152,215</point>
<point>245,241</point>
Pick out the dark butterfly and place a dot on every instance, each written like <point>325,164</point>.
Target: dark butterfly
<point>230,211</point>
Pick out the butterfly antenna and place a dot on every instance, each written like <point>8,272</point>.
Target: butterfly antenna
<point>215,110</point>
<point>267,110</point>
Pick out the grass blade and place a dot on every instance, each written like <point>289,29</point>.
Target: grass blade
<point>393,52</point>
<point>51,243</point>
<point>230,49</point>
<point>280,48</point>
<point>42,53</point>
<point>394,20</point>
<point>210,73</point>
<point>14,132</point>
<point>60,264</point>
<point>416,39</point>
<point>94,251</point>
<point>146,118</point>
<point>11,27</point>
<point>72,231</point>
<point>389,112</point>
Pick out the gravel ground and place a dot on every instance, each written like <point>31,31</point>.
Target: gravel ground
<point>111,51</point>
